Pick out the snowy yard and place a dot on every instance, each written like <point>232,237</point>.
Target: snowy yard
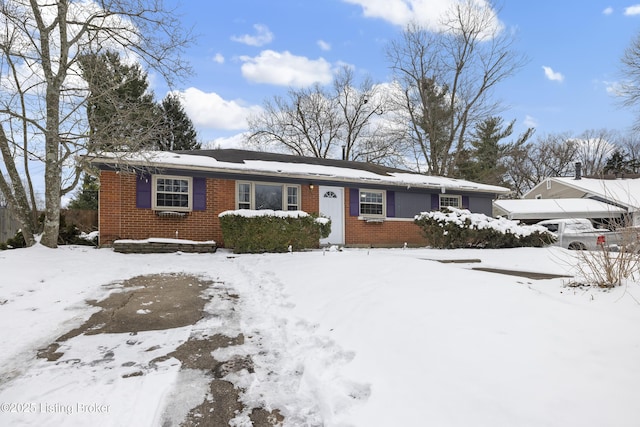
<point>338,338</point>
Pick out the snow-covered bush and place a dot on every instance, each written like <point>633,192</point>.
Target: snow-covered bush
<point>459,228</point>
<point>257,231</point>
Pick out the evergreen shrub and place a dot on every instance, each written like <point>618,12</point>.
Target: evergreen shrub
<point>452,228</point>
<point>248,231</point>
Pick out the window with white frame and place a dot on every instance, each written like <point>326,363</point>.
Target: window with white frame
<point>264,195</point>
<point>244,195</point>
<point>292,198</point>
<point>172,193</point>
<point>372,203</point>
<point>450,201</point>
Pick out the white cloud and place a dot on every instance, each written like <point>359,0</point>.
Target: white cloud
<point>324,45</point>
<point>263,36</point>
<point>632,10</point>
<point>218,58</point>
<point>285,69</point>
<point>552,75</point>
<point>209,110</point>
<point>234,141</point>
<point>427,13</point>
<point>530,121</point>
<point>614,88</point>
<point>608,11</point>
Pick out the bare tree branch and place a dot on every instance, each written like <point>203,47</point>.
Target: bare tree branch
<point>447,78</point>
<point>43,94</point>
<point>344,120</point>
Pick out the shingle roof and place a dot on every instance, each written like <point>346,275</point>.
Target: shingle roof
<point>239,156</point>
<point>273,164</point>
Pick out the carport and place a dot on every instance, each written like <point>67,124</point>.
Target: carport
<point>534,210</point>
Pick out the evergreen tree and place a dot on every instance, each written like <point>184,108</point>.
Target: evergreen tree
<point>87,196</point>
<point>436,118</point>
<point>121,112</point>
<point>484,161</point>
<point>620,163</point>
<point>179,133</point>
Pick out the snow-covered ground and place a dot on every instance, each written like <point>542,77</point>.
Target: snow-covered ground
<point>358,337</point>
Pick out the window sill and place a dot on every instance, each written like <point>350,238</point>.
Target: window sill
<point>372,219</point>
<point>171,214</point>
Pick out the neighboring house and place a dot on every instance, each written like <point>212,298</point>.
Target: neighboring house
<point>533,210</point>
<point>181,194</point>
<point>600,199</point>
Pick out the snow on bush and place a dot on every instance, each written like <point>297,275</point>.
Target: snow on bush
<point>465,218</point>
<point>251,213</point>
<point>460,228</point>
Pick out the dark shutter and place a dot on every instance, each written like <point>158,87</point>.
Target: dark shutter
<point>391,204</point>
<point>199,194</point>
<point>435,202</point>
<point>143,191</point>
<point>354,202</point>
<point>465,202</point>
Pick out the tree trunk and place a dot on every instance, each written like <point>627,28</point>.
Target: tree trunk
<point>15,194</point>
<point>53,171</point>
<point>51,226</point>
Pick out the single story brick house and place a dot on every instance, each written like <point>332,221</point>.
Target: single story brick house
<point>180,194</point>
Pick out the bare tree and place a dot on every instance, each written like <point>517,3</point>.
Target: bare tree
<point>629,89</point>
<point>550,155</point>
<point>447,78</point>
<point>305,124</point>
<point>630,144</point>
<point>518,171</point>
<point>344,120</point>
<point>43,97</point>
<point>363,134</point>
<point>556,154</point>
<point>593,148</point>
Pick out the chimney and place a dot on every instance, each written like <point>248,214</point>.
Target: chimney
<point>578,166</point>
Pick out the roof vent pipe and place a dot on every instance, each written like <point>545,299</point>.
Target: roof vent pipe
<point>578,170</point>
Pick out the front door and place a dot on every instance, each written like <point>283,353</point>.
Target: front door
<point>332,206</point>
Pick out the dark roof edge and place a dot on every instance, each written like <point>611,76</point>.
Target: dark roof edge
<point>233,155</point>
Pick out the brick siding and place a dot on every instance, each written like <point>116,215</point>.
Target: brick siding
<point>388,233</point>
<point>119,218</point>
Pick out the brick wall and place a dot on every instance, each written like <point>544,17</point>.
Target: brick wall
<point>309,199</point>
<point>120,218</point>
<point>389,233</point>
<point>109,206</point>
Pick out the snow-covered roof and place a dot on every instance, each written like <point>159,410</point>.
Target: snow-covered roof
<point>555,208</point>
<point>622,191</point>
<point>313,169</point>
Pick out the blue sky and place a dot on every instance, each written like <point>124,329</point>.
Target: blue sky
<point>250,50</point>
